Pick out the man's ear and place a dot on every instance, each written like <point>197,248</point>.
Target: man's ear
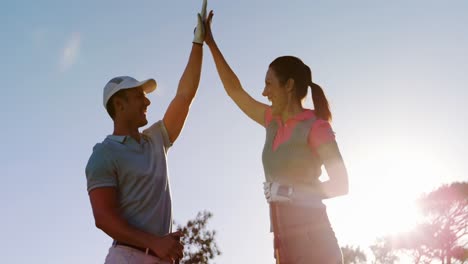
<point>118,104</point>
<point>290,85</point>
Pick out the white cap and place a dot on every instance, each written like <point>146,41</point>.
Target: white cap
<point>126,82</point>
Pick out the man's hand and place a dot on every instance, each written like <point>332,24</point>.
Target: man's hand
<point>275,192</point>
<point>203,10</point>
<point>199,33</point>
<point>169,247</point>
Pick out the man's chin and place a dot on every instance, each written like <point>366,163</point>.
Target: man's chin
<point>143,122</point>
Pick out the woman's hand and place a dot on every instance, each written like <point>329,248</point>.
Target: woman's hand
<point>275,192</point>
<point>208,35</point>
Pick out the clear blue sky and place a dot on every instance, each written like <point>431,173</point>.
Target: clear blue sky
<point>395,73</point>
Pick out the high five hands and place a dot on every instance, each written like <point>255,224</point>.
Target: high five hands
<point>199,33</point>
<point>202,32</point>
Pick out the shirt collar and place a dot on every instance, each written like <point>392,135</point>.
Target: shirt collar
<point>304,115</point>
<point>123,139</point>
<point>120,139</point>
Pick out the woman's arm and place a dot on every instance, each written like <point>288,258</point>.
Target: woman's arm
<point>337,185</point>
<point>252,108</point>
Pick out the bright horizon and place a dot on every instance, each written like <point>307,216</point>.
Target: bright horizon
<point>394,73</point>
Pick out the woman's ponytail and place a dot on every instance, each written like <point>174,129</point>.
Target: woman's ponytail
<point>322,109</point>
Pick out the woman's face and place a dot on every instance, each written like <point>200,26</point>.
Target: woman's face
<point>275,92</point>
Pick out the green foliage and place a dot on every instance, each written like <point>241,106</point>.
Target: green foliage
<point>383,251</point>
<point>353,255</point>
<point>199,243</point>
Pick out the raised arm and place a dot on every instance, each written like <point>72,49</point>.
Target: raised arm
<point>252,108</point>
<point>178,109</point>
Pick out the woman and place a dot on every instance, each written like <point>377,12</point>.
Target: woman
<point>298,142</point>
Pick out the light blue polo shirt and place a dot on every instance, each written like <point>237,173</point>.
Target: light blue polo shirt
<point>139,173</point>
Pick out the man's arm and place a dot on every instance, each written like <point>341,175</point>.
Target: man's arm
<point>107,218</point>
<point>178,109</point>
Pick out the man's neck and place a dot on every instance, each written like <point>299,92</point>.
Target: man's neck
<point>125,130</point>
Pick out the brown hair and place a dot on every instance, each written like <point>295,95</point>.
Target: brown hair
<point>290,67</point>
<point>110,103</point>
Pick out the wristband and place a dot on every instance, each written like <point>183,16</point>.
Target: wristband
<point>285,191</point>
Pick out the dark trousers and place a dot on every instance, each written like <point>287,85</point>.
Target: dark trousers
<point>305,236</point>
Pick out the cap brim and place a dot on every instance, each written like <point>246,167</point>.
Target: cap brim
<point>148,85</point>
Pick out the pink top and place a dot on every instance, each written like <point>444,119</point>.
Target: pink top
<point>320,133</point>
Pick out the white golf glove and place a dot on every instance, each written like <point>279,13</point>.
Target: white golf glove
<point>275,192</point>
<point>199,33</point>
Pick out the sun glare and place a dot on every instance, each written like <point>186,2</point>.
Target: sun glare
<point>393,213</point>
<point>383,192</point>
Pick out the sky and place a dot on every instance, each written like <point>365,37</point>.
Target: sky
<point>395,74</point>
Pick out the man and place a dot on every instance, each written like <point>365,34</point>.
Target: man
<point>126,174</point>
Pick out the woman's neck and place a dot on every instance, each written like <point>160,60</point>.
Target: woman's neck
<point>291,110</point>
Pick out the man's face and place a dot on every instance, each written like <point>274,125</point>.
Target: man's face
<point>134,108</point>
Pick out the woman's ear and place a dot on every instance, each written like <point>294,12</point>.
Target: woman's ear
<point>290,85</point>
